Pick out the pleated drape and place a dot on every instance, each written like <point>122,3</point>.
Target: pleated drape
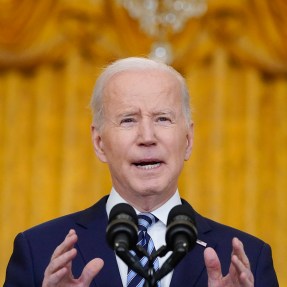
<point>235,62</point>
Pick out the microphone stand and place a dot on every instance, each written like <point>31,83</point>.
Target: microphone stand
<point>176,256</point>
<point>131,260</point>
<point>149,274</point>
<point>152,275</point>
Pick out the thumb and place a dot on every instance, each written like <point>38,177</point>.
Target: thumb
<point>213,267</point>
<point>91,270</point>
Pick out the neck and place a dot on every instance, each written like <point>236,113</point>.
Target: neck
<point>147,203</point>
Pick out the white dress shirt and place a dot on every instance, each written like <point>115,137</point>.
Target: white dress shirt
<point>156,231</point>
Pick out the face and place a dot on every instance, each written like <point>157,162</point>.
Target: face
<point>145,138</point>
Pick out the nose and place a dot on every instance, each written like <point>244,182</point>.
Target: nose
<point>146,132</point>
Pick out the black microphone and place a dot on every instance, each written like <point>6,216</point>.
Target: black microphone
<point>181,232</point>
<point>122,235</point>
<point>122,230</point>
<point>181,236</point>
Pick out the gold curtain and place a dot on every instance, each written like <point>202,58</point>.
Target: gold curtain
<point>235,61</point>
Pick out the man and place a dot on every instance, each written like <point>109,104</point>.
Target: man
<point>142,129</point>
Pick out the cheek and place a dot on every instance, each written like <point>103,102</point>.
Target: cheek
<point>116,149</point>
<point>177,144</point>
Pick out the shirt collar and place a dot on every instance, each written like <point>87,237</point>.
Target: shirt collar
<point>161,213</point>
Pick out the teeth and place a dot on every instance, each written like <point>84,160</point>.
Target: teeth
<point>149,166</point>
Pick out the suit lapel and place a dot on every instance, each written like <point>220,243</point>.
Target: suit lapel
<point>92,243</point>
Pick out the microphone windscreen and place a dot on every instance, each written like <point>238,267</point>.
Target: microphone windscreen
<point>181,210</point>
<point>181,227</point>
<point>123,208</point>
<point>122,227</point>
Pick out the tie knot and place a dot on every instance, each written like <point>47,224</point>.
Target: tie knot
<point>146,220</point>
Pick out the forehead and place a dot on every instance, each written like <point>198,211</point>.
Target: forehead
<point>150,86</point>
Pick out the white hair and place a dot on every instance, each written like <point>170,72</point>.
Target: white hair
<point>133,64</point>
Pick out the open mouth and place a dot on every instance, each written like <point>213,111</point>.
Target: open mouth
<point>147,165</point>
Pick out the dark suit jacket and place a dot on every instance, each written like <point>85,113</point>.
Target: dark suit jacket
<point>34,247</point>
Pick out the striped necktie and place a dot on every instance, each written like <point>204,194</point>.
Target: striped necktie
<point>145,220</point>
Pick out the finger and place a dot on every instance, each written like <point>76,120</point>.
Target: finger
<point>60,262</point>
<point>91,270</point>
<point>63,254</point>
<point>213,266</point>
<point>66,245</point>
<point>240,263</point>
<point>55,278</point>
<point>238,250</point>
<point>242,273</point>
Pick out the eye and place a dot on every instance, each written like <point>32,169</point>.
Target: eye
<point>163,119</point>
<point>127,121</point>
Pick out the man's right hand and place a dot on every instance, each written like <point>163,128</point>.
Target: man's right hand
<point>59,271</point>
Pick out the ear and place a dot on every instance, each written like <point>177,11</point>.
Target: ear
<point>189,141</point>
<point>98,144</point>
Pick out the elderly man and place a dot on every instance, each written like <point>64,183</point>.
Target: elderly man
<point>142,129</point>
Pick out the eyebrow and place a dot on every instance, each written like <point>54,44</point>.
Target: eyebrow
<point>136,112</point>
<point>164,112</point>
<point>127,114</point>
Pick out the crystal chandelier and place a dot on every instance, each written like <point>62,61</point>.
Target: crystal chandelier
<point>160,18</point>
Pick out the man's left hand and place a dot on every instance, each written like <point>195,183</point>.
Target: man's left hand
<point>239,274</point>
